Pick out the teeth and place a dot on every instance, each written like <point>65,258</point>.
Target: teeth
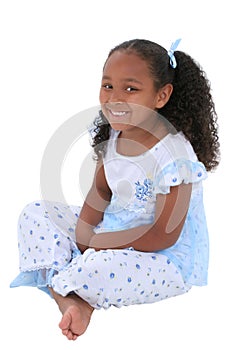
<point>119,114</point>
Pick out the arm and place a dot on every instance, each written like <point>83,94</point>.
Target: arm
<point>95,203</point>
<point>171,211</point>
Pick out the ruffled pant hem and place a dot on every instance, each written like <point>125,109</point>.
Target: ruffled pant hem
<point>39,278</point>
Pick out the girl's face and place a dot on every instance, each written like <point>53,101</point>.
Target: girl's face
<point>127,89</point>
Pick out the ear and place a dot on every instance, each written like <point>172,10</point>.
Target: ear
<point>163,95</point>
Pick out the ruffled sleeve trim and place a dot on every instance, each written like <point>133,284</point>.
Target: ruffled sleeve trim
<point>178,172</point>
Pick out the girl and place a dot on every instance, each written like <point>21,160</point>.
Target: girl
<point>141,235</point>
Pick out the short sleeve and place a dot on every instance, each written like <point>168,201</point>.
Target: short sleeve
<point>177,164</point>
<point>178,172</point>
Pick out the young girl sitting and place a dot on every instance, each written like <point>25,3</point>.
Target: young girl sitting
<point>141,234</point>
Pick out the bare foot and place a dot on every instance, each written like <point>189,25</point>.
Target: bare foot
<point>76,315</point>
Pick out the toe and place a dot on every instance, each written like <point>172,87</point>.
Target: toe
<point>65,321</point>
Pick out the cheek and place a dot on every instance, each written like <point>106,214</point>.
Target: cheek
<point>150,102</point>
<point>102,96</point>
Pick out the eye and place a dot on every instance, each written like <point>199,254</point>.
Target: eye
<point>131,89</point>
<point>107,86</point>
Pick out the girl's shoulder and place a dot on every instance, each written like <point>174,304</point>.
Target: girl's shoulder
<point>175,146</point>
<point>177,163</point>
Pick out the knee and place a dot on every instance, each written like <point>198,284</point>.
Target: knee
<point>37,208</point>
<point>98,261</point>
<point>31,207</point>
<point>32,214</point>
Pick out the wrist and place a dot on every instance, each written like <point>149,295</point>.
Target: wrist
<point>84,236</point>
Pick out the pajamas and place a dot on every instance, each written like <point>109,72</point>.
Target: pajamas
<point>49,257</point>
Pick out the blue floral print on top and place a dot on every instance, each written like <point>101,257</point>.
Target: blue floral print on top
<point>144,191</point>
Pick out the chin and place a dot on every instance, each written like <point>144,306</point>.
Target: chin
<point>120,126</point>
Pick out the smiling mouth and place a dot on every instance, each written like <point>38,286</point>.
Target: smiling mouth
<point>118,114</point>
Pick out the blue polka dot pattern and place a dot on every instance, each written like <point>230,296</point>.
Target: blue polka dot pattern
<point>104,278</point>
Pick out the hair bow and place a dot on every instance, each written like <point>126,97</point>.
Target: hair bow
<point>171,51</point>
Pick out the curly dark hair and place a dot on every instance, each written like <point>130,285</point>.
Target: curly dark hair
<point>190,108</point>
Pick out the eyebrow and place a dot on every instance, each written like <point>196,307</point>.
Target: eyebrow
<point>128,80</point>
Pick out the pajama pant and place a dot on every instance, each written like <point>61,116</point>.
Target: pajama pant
<point>49,257</point>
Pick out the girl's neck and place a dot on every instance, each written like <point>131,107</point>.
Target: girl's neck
<point>137,140</point>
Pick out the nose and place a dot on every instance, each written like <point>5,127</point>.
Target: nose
<point>114,96</point>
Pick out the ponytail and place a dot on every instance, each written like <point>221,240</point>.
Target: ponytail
<point>191,109</point>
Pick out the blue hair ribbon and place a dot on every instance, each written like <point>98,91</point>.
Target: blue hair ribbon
<point>171,51</point>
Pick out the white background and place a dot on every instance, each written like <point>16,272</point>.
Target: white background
<point>51,58</point>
